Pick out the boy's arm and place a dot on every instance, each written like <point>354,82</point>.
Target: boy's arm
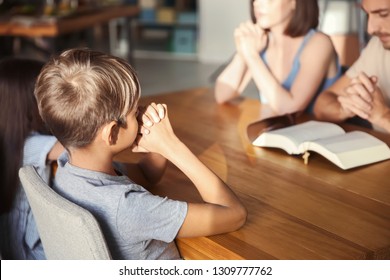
<point>146,170</point>
<point>221,211</point>
<point>153,166</point>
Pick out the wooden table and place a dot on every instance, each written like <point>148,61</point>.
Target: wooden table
<point>78,21</point>
<point>296,211</point>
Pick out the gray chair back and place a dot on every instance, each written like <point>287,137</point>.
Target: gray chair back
<point>67,231</point>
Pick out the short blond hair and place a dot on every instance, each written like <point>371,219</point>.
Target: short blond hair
<point>81,90</point>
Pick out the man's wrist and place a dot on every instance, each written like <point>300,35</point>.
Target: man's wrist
<point>384,121</point>
<point>343,112</point>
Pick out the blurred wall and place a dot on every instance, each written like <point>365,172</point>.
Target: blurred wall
<point>217,21</point>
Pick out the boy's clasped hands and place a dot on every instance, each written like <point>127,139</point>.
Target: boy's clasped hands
<point>154,129</point>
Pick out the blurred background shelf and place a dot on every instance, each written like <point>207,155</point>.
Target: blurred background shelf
<point>166,29</point>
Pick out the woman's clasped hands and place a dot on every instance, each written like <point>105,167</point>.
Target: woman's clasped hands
<point>249,37</point>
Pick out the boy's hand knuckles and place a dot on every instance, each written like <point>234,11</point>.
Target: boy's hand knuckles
<point>161,110</point>
<point>150,110</point>
<point>144,131</point>
<point>153,115</point>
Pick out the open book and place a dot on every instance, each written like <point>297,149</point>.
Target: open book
<point>345,149</point>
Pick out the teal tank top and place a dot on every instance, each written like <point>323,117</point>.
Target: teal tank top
<point>288,82</point>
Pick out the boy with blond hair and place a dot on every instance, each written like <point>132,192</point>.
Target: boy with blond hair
<point>89,100</point>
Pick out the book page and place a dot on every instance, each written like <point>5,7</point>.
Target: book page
<point>351,149</point>
<point>289,138</point>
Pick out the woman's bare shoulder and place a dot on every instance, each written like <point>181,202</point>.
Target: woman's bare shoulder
<point>321,40</point>
<point>319,43</point>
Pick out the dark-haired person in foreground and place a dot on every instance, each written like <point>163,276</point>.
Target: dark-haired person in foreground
<point>24,140</point>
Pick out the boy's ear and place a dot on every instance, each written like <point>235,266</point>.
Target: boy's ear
<point>109,133</point>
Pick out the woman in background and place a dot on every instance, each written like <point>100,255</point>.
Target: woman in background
<point>281,50</point>
<point>23,141</point>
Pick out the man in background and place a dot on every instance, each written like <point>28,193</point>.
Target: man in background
<point>364,90</point>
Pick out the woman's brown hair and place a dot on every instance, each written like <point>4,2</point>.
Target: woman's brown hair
<point>19,116</point>
<point>305,17</point>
